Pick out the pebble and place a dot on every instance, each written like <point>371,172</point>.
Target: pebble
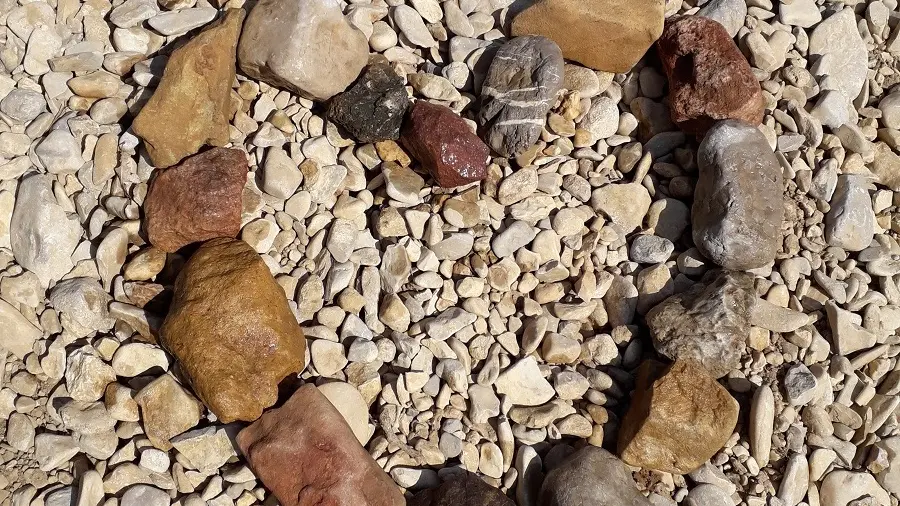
<point>650,249</point>
<point>413,27</point>
<point>523,384</point>
<point>729,13</point>
<point>850,224</point>
<point>842,53</point>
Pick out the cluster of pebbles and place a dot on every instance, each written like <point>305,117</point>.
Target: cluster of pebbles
<point>443,252</point>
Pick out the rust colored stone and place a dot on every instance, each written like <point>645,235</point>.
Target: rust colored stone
<point>678,419</point>
<point>200,199</point>
<point>306,454</point>
<point>709,78</point>
<point>232,331</point>
<point>444,144</point>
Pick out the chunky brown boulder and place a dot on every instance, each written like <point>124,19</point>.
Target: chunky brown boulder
<point>444,144</point>
<point>200,199</point>
<point>608,35</point>
<point>678,419</point>
<point>232,331</point>
<point>191,106</point>
<point>306,454</point>
<point>469,490</point>
<point>709,78</point>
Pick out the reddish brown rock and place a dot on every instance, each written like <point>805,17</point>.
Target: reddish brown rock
<point>709,78</point>
<point>469,490</point>
<point>444,144</point>
<point>306,454</point>
<point>199,199</point>
<point>232,331</point>
<point>679,418</point>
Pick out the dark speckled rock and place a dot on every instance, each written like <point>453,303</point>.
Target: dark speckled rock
<point>469,490</point>
<point>591,476</point>
<point>443,143</point>
<point>373,108</point>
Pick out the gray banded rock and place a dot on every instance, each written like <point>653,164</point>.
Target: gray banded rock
<point>520,88</point>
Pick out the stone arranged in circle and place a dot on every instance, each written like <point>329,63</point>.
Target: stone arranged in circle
<point>608,35</point>
<point>305,453</point>
<point>372,109</point>
<point>520,88</point>
<point>444,144</point>
<point>190,107</point>
<point>304,46</point>
<point>709,78</point>
<point>200,199</point>
<point>232,331</point>
<point>738,200</point>
<point>679,418</point>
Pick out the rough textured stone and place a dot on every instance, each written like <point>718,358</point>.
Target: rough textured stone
<point>443,143</point>
<point>709,78</point>
<point>225,300</point>
<point>336,470</point>
<point>372,109</point>
<point>167,409</point>
<point>708,323</point>
<point>850,223</point>
<point>608,35</point>
<point>199,199</point>
<point>679,418</point>
<point>469,490</point>
<point>288,43</point>
<point>738,206</point>
<point>20,334</point>
<point>520,88</point>
<point>591,476</point>
<point>42,234</point>
<point>190,107</point>
<point>842,51</point>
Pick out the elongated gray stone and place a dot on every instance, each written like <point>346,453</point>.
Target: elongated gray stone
<point>519,90</point>
<point>738,199</point>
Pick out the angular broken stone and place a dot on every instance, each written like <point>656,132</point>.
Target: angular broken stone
<point>738,201</point>
<point>337,470</point>
<point>444,144</point>
<point>226,300</point>
<point>304,46</point>
<point>709,323</point>
<point>372,109</point>
<point>199,199</point>
<point>709,78</point>
<point>167,409</point>
<point>191,106</point>
<point>678,419</point>
<point>520,88</point>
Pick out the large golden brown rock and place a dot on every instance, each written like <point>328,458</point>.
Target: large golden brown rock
<point>608,35</point>
<point>190,107</point>
<point>306,454</point>
<point>679,418</point>
<point>198,200</point>
<point>232,331</point>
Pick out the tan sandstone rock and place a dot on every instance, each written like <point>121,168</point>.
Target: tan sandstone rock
<point>232,331</point>
<point>190,107</point>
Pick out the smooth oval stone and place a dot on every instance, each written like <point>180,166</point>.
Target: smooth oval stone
<point>738,206</point>
<point>520,88</point>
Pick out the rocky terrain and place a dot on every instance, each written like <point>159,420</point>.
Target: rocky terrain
<point>449,252</point>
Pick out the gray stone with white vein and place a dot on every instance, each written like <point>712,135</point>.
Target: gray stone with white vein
<point>519,90</point>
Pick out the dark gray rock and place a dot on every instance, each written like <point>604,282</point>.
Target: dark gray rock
<point>709,323</point>
<point>519,90</point>
<point>373,108</point>
<point>738,205</point>
<point>591,476</point>
<point>468,490</point>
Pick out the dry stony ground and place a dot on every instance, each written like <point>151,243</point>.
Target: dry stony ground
<point>505,316</point>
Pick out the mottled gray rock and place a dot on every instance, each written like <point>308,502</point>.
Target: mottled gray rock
<point>850,224</point>
<point>42,234</point>
<point>709,323</point>
<point>650,249</point>
<point>799,384</point>
<point>83,304</point>
<point>843,61</point>
<point>288,43</point>
<point>22,105</point>
<point>729,13</point>
<point>738,199</point>
<point>519,89</point>
<point>591,476</point>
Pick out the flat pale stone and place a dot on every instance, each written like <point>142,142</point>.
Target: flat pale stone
<point>523,384</point>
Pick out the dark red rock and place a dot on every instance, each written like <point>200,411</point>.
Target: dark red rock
<point>444,144</point>
<point>307,455</point>
<point>468,490</point>
<point>709,78</point>
<point>197,200</point>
